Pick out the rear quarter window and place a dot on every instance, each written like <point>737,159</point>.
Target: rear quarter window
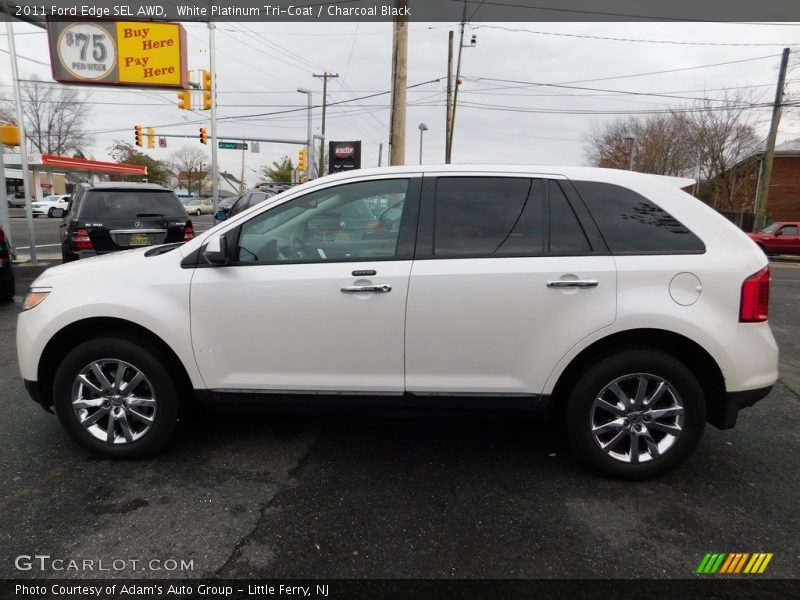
<point>632,224</point>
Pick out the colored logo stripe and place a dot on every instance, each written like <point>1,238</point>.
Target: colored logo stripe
<point>734,562</point>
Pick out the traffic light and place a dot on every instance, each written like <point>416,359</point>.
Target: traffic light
<point>151,137</point>
<point>207,90</point>
<point>203,136</point>
<point>137,135</point>
<point>302,160</point>
<point>185,100</point>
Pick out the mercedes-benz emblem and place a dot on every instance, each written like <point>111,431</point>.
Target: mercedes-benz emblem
<point>138,224</point>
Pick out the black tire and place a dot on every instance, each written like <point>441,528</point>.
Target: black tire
<point>35,216</point>
<point>68,257</point>
<point>633,362</point>
<point>50,213</point>
<point>7,289</point>
<point>198,212</point>
<point>144,358</point>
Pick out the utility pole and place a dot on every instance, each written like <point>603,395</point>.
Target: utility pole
<point>458,78</point>
<point>325,76</point>
<point>23,141</point>
<point>214,163</point>
<point>769,152</point>
<point>241,181</point>
<point>448,123</point>
<point>380,154</point>
<point>397,133</point>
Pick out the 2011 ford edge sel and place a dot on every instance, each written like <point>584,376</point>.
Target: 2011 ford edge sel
<point>612,299</point>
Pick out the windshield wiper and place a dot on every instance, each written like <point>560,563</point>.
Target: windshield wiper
<point>150,215</point>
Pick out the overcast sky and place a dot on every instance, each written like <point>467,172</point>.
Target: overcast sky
<point>260,66</point>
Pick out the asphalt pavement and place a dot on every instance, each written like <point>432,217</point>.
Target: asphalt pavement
<point>261,496</point>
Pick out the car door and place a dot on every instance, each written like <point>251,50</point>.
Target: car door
<point>295,313</point>
<point>509,275</point>
<point>787,239</point>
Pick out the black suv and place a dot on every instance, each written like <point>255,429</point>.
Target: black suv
<point>111,216</point>
<point>236,204</point>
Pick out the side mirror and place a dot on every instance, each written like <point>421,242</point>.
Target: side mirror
<point>220,216</point>
<point>59,213</point>
<point>216,251</point>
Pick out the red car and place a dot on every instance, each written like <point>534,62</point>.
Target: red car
<point>778,238</point>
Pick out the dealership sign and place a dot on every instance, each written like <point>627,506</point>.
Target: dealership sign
<point>118,53</point>
<point>344,156</point>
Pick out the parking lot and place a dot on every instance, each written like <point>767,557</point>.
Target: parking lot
<point>262,496</point>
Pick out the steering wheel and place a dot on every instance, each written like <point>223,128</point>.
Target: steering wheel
<point>298,247</point>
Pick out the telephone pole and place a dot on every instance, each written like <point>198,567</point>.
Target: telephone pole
<point>397,133</point>
<point>458,78</point>
<point>447,137</point>
<point>325,76</point>
<point>769,152</point>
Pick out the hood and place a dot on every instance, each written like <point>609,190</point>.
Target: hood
<point>126,259</point>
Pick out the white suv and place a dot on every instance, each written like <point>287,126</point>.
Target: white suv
<point>611,299</point>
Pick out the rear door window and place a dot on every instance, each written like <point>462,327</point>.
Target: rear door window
<point>487,216</point>
<point>631,224</point>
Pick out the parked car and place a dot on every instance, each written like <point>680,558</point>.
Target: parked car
<point>48,204</point>
<point>6,271</point>
<point>110,216</point>
<point>230,207</point>
<point>779,238</point>
<point>612,300</point>
<point>197,207</point>
<point>16,200</point>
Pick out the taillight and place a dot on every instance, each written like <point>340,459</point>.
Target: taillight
<point>188,232</point>
<point>754,307</point>
<point>80,240</point>
<point>2,235</point>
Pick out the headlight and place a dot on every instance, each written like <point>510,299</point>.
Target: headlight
<point>34,298</point>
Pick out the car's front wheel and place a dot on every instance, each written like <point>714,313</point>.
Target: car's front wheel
<point>115,398</point>
<point>636,414</point>
<point>198,212</point>
<point>50,213</point>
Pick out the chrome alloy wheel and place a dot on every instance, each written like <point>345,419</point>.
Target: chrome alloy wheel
<point>114,401</point>
<point>637,418</point>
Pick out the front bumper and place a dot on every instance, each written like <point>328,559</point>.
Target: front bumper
<point>32,387</point>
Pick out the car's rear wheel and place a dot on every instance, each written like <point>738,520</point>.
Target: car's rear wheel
<point>636,414</point>
<point>50,213</point>
<point>115,398</point>
<point>34,215</point>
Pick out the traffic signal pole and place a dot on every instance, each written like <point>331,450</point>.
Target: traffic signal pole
<point>214,164</point>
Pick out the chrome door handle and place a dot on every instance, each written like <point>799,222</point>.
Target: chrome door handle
<point>367,289</point>
<point>578,283</point>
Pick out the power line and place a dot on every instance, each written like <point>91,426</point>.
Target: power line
<point>634,40</point>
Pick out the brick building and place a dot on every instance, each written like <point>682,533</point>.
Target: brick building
<point>783,203</point>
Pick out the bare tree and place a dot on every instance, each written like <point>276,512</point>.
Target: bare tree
<point>725,138</point>
<point>662,144</point>
<point>188,163</point>
<point>55,118</point>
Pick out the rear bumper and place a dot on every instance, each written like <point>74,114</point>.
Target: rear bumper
<point>734,402</point>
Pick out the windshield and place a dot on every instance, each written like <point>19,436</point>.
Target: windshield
<point>130,204</point>
<point>770,228</point>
